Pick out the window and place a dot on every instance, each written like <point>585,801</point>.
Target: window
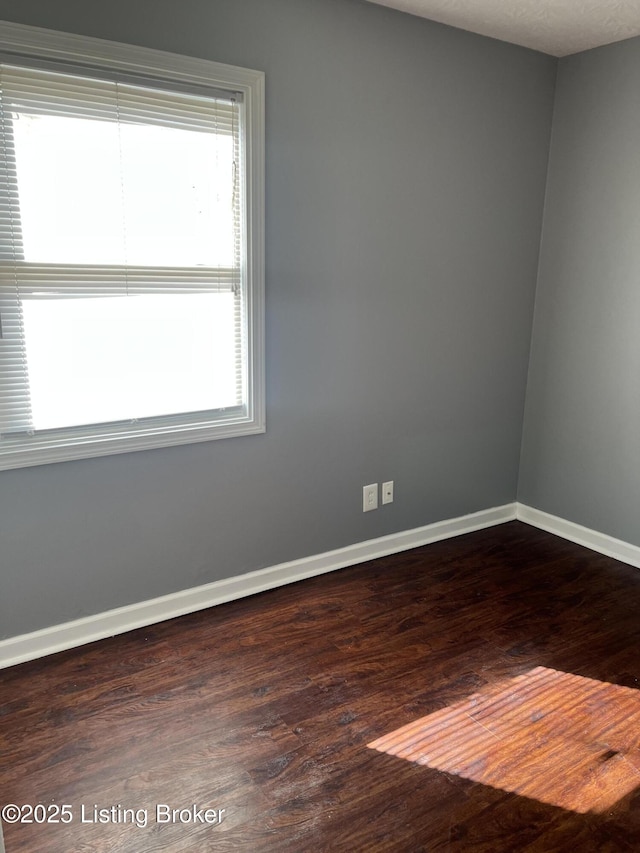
<point>131,195</point>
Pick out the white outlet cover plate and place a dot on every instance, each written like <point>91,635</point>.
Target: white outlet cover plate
<point>370,497</point>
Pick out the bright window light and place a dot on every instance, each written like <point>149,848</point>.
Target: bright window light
<point>127,194</point>
<point>131,234</point>
<point>160,366</point>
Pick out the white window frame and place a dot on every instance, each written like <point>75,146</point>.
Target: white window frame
<point>24,42</point>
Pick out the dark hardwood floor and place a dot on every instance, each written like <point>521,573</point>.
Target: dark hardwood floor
<point>265,707</point>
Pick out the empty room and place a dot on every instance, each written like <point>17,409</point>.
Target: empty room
<point>319,483</point>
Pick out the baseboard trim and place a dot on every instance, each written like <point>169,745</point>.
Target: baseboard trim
<point>68,635</point>
<point>600,542</point>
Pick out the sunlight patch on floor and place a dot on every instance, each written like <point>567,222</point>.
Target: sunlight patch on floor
<point>555,737</point>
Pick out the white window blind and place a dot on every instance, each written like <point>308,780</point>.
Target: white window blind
<point>125,313</point>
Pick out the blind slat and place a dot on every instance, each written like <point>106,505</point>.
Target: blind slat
<point>52,280</point>
<point>36,92</point>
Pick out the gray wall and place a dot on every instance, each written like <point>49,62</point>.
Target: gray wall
<point>406,164</point>
<point>581,444</point>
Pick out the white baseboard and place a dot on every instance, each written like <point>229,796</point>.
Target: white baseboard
<point>600,542</point>
<point>68,635</point>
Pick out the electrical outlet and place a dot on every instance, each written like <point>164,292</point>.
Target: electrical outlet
<point>387,492</point>
<point>369,497</point>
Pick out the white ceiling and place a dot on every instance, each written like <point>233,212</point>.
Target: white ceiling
<point>557,27</point>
